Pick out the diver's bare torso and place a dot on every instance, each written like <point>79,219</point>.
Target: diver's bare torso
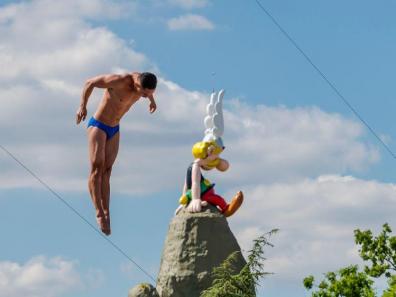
<point>118,100</point>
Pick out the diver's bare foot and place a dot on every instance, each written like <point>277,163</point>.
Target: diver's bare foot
<point>107,217</point>
<point>103,225</point>
<point>236,202</point>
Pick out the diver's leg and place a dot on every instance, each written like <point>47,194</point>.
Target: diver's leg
<point>96,146</point>
<point>111,152</point>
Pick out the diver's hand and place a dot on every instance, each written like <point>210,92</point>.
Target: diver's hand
<point>195,205</point>
<point>81,114</point>
<point>152,107</point>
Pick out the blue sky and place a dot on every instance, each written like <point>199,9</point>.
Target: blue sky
<point>305,163</point>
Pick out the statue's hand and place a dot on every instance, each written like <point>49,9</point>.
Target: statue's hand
<point>203,203</point>
<point>195,205</point>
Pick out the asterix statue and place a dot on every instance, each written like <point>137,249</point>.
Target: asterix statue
<point>197,190</point>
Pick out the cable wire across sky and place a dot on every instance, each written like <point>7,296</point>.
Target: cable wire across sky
<point>59,197</point>
<point>324,77</point>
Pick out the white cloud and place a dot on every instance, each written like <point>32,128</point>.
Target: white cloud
<point>286,144</point>
<point>190,4</point>
<point>39,277</point>
<point>42,73</point>
<point>41,92</point>
<point>316,218</point>
<point>155,149</point>
<point>65,47</point>
<point>190,22</point>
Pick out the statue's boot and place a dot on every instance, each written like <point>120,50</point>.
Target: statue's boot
<point>236,202</point>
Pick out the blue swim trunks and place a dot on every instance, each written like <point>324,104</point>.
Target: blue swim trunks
<point>110,131</point>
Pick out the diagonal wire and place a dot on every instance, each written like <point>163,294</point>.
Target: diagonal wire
<point>76,212</point>
<point>332,86</point>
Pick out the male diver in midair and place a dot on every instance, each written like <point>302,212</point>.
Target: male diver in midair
<point>121,92</point>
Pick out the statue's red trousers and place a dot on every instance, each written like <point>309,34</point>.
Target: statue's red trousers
<point>211,197</point>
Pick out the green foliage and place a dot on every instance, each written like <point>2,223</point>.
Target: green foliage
<point>227,282</point>
<point>391,291</point>
<point>348,282</point>
<point>379,252</point>
<point>308,282</point>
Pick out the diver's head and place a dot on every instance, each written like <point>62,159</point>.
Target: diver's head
<point>147,84</point>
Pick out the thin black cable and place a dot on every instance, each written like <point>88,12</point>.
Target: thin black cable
<point>75,211</point>
<point>332,86</point>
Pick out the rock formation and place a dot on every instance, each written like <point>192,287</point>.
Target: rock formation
<point>143,290</point>
<point>195,244</point>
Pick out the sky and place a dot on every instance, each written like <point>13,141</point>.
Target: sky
<point>306,164</point>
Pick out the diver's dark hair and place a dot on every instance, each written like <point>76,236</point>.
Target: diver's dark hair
<point>148,80</point>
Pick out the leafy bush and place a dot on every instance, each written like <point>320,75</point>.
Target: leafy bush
<point>227,282</point>
<point>379,254</point>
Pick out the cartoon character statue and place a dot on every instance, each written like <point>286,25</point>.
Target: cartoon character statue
<point>198,191</point>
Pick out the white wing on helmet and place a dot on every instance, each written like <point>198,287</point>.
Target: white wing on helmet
<point>218,120</point>
<point>214,121</point>
<point>210,110</point>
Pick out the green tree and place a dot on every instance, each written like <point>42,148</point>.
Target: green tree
<point>379,251</point>
<point>391,291</point>
<point>348,282</point>
<point>379,254</point>
<point>227,282</point>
